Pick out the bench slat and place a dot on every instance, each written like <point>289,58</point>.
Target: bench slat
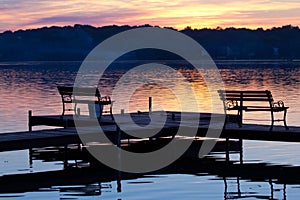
<point>245,91</point>
<point>91,102</point>
<point>82,91</point>
<point>247,99</point>
<point>247,95</point>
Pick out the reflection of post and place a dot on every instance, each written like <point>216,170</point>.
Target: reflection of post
<point>284,191</point>
<point>238,186</point>
<point>225,188</point>
<point>119,186</point>
<point>272,188</point>
<point>150,104</point>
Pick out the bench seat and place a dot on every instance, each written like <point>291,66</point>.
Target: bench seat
<point>258,108</point>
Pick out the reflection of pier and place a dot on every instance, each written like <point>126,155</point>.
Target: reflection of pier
<point>94,180</point>
<point>244,194</point>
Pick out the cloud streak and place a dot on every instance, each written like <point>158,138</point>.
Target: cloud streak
<point>18,14</point>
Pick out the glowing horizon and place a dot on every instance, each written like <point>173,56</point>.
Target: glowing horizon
<point>16,14</point>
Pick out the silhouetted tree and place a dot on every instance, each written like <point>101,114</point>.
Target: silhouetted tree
<point>75,42</point>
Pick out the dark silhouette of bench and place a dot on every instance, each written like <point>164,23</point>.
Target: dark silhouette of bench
<point>83,95</point>
<point>235,100</point>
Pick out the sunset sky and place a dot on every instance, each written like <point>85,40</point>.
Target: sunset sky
<point>25,14</point>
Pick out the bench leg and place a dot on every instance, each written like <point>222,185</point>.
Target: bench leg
<point>75,109</point>
<point>29,120</point>
<point>284,120</point>
<point>240,120</point>
<point>101,111</point>
<point>111,114</point>
<point>63,112</point>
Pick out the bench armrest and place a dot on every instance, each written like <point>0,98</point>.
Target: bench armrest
<point>229,104</point>
<point>278,104</point>
<point>105,98</point>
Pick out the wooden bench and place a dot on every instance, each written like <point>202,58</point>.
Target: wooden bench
<point>240,100</point>
<point>83,95</point>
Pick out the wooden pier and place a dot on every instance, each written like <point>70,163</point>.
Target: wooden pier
<point>65,132</point>
<point>231,130</point>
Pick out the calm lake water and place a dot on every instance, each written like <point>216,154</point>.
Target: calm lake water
<point>32,86</point>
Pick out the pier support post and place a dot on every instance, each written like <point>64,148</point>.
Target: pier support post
<point>29,120</point>
<point>118,136</point>
<point>30,129</point>
<point>30,157</point>
<point>119,171</point>
<point>241,150</point>
<point>65,156</point>
<point>150,104</point>
<point>227,149</point>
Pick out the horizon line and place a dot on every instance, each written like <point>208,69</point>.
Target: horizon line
<point>149,25</point>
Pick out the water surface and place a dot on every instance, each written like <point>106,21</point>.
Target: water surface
<point>32,86</point>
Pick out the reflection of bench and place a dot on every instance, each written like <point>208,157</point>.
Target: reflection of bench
<point>240,100</point>
<point>83,95</point>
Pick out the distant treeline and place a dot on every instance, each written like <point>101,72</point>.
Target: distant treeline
<point>75,42</point>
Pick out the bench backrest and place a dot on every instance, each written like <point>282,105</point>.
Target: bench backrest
<point>78,91</point>
<point>250,95</point>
